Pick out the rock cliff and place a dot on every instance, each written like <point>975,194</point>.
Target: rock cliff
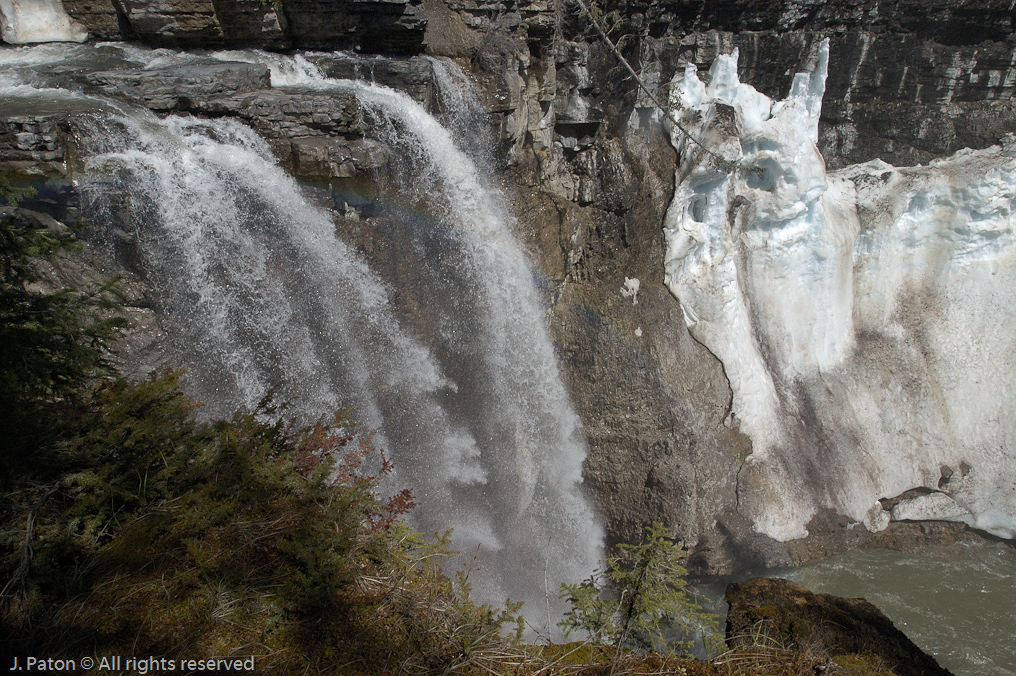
<point>583,143</point>
<point>590,172</point>
<point>389,26</point>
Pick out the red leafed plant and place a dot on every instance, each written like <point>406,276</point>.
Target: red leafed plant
<point>322,442</point>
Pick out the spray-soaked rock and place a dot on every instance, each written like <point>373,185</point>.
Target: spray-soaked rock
<point>318,157</point>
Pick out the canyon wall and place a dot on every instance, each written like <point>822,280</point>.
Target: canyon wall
<point>388,26</point>
<point>905,85</point>
<point>589,170</point>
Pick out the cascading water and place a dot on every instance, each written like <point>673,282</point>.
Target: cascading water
<point>260,292</point>
<point>462,113</point>
<point>509,372</point>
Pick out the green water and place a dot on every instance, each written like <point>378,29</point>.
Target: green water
<point>958,605</point>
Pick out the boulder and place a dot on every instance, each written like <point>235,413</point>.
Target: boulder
<point>795,617</point>
<point>930,507</point>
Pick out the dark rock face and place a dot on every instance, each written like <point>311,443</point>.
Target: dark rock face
<point>253,23</point>
<point>796,617</point>
<point>382,26</point>
<point>388,26</point>
<point>949,22</point>
<point>100,17</point>
<point>34,144</point>
<point>172,22</point>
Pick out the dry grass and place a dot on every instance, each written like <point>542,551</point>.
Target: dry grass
<point>760,652</point>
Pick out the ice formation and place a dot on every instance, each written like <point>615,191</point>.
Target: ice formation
<point>864,317</point>
<point>27,21</point>
<point>631,289</point>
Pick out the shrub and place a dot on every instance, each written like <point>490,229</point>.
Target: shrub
<point>637,600</point>
<point>247,536</point>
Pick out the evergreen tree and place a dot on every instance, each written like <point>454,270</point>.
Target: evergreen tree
<point>638,600</point>
<point>52,342</point>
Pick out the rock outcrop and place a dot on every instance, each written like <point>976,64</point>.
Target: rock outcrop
<point>792,616</point>
<point>34,144</point>
<point>181,87</point>
<point>316,134</point>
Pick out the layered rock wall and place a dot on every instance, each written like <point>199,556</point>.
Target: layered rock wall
<point>387,26</point>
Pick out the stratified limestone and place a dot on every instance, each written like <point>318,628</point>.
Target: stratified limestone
<point>174,87</point>
<point>381,26</point>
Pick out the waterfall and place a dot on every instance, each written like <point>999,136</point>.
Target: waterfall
<point>461,112</point>
<point>27,21</point>
<point>444,347</point>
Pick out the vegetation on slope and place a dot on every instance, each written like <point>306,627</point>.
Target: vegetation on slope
<point>130,529</point>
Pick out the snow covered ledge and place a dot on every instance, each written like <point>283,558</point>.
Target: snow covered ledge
<point>27,21</point>
<point>866,318</point>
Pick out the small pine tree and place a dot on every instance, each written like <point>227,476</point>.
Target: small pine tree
<point>637,600</point>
